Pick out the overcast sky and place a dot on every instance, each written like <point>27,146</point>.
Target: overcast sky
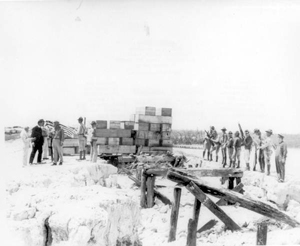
<point>213,62</point>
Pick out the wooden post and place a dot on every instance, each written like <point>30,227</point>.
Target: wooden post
<point>150,191</point>
<point>143,190</point>
<point>261,236</point>
<point>193,224</point>
<point>174,214</point>
<point>230,183</point>
<point>210,224</point>
<point>200,195</point>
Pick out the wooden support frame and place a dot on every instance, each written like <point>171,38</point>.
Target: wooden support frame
<point>150,191</point>
<point>193,224</point>
<point>174,214</point>
<point>261,236</point>
<point>143,190</point>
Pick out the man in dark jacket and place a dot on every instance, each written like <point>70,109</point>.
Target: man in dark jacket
<point>37,144</point>
<point>280,158</point>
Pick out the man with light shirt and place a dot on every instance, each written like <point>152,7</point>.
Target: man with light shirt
<point>26,144</point>
<point>280,158</point>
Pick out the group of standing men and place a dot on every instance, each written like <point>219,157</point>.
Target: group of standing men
<point>231,145</point>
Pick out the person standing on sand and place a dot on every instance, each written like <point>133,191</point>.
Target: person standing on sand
<point>280,158</point>
<point>267,149</point>
<point>26,144</point>
<point>223,141</point>
<point>259,152</point>
<point>57,145</point>
<point>93,142</point>
<point>81,138</point>
<point>206,146</point>
<point>229,146</point>
<point>45,133</point>
<point>237,144</point>
<point>216,140</point>
<point>38,142</point>
<point>248,144</point>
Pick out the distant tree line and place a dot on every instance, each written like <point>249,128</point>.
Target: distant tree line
<point>189,137</point>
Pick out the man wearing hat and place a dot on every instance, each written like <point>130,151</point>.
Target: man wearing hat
<point>259,154</point>
<point>229,146</point>
<point>248,144</point>
<point>93,142</point>
<point>57,144</point>
<point>208,143</point>
<point>223,141</point>
<point>237,144</point>
<point>216,140</point>
<point>26,144</point>
<point>81,138</point>
<point>38,142</point>
<point>280,158</point>
<point>267,149</point>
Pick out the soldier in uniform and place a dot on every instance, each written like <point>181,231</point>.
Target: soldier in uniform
<point>266,146</point>
<point>81,138</point>
<point>57,144</point>
<point>207,144</point>
<point>229,146</point>
<point>259,152</point>
<point>280,158</point>
<point>248,144</point>
<point>223,141</point>
<point>216,140</point>
<point>237,144</point>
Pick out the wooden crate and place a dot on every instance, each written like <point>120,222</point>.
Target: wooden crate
<point>166,135</point>
<point>166,127</point>
<point>71,142</point>
<point>102,141</point>
<point>143,126</point>
<point>113,141</point>
<point>154,135</point>
<point>155,127</point>
<point>119,133</point>
<point>153,119</point>
<point>139,141</point>
<point>126,141</point>
<point>154,142</point>
<point>117,149</point>
<point>146,110</point>
<point>129,125</point>
<point>69,150</point>
<point>142,134</point>
<point>161,149</point>
<point>167,143</point>
<point>166,112</point>
<point>114,124</point>
<point>101,124</point>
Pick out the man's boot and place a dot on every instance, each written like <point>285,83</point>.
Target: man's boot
<point>238,165</point>
<point>269,167</point>
<point>83,158</point>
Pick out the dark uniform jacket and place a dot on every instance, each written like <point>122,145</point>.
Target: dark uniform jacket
<point>248,142</point>
<point>37,134</point>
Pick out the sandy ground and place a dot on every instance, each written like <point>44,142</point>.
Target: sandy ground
<point>155,222</point>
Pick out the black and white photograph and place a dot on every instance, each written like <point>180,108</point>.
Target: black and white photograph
<point>150,123</point>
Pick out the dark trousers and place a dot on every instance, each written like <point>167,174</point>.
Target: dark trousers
<point>39,148</point>
<point>261,160</point>
<point>224,156</point>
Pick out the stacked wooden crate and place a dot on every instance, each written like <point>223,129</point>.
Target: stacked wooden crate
<point>115,139</point>
<point>153,128</point>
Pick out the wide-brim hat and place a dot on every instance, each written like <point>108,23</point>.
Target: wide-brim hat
<point>269,131</point>
<point>223,129</point>
<point>41,121</point>
<point>281,136</point>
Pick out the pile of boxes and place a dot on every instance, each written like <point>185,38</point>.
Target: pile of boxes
<point>149,127</point>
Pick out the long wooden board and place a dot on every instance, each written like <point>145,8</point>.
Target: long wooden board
<point>220,172</point>
<point>110,133</point>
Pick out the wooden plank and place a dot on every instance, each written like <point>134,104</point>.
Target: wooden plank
<point>153,119</point>
<point>150,191</point>
<point>163,149</point>
<point>117,149</point>
<point>261,236</point>
<point>143,190</point>
<point>193,224</point>
<point>166,135</point>
<point>167,143</point>
<point>218,172</point>
<point>174,214</point>
<point>166,112</point>
<point>166,127</point>
<point>126,141</point>
<point>102,141</point>
<point>142,134</point>
<point>157,171</point>
<point>114,124</point>
<point>101,124</point>
<point>206,201</point>
<point>143,126</point>
<point>113,141</point>
<point>111,133</point>
<point>231,196</point>
<point>210,224</point>
<point>153,142</point>
<point>155,127</point>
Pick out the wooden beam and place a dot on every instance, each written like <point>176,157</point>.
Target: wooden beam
<point>150,191</point>
<point>210,224</point>
<point>174,214</point>
<point>193,224</point>
<point>221,172</point>
<point>143,191</point>
<point>238,188</point>
<point>231,196</point>
<point>261,236</point>
<point>206,201</point>
<point>157,171</point>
